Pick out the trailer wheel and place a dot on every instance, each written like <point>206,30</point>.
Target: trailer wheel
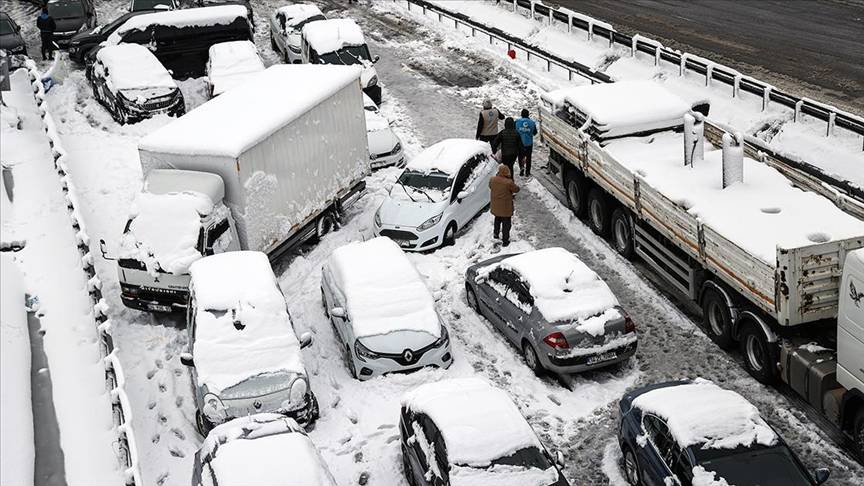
<point>622,232</point>
<point>576,190</point>
<point>760,356</point>
<point>598,212</point>
<point>717,318</point>
<point>325,224</point>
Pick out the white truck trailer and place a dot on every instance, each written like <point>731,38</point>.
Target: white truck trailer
<point>287,150</point>
<point>764,259</point>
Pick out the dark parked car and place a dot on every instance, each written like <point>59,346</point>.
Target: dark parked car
<point>684,433</point>
<point>129,81</point>
<point>83,42</point>
<point>71,16</point>
<point>245,3</point>
<point>10,36</point>
<point>141,5</point>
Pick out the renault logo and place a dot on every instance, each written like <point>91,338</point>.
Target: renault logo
<point>408,355</point>
<point>256,404</point>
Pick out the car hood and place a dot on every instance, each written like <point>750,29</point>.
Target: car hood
<point>69,25</point>
<point>381,141</point>
<point>407,213</point>
<point>88,37</point>
<point>398,341</point>
<point>141,95</point>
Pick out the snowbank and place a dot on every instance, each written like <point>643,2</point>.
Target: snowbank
<point>297,13</point>
<point>232,64</point>
<point>702,413</point>
<point>332,35</point>
<point>189,17</point>
<point>383,290</point>
<point>133,66</point>
<point>448,155</point>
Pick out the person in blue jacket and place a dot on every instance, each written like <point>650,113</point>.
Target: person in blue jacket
<point>526,128</point>
<point>46,25</point>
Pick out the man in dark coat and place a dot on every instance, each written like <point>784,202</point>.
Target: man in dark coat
<point>487,124</point>
<point>510,144</point>
<point>46,26</point>
<point>502,188</point>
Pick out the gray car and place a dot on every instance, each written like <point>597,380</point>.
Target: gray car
<point>10,36</point>
<point>71,17</point>
<point>552,307</point>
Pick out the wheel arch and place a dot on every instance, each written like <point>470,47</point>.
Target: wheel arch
<point>725,294</point>
<point>748,316</point>
<point>853,403</point>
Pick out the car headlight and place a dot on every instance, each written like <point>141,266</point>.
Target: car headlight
<point>296,394</point>
<point>397,148</point>
<point>378,217</point>
<point>444,339</point>
<point>430,222</point>
<point>214,409</point>
<point>363,352</point>
<point>372,81</point>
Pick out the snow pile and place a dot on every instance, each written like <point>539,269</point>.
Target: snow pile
<point>564,288</point>
<point>189,17</point>
<point>448,155</point>
<point>479,422</point>
<point>701,413</point>
<point>232,64</point>
<point>701,477</point>
<point>383,290</point>
<point>242,327</point>
<point>164,230</point>
<point>332,35</point>
<point>133,66</point>
<point>297,13</point>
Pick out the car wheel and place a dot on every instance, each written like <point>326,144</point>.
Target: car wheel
<point>472,298</point>
<point>631,468</point>
<point>406,467</point>
<point>450,234</point>
<point>352,369</point>
<point>575,188</point>
<point>324,304</point>
<point>531,358</point>
<point>598,212</point>
<point>314,410</point>
<point>717,318</point>
<point>204,426</point>
<point>273,43</point>
<point>622,233</point>
<point>858,434</point>
<point>759,355</point>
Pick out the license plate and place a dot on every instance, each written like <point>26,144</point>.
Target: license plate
<point>159,308</point>
<point>601,358</point>
<point>403,242</point>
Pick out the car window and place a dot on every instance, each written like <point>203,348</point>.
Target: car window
<point>658,433</point>
<point>218,238</point>
<point>681,465</point>
<point>280,17</point>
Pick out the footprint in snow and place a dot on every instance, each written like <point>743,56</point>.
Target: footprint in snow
<point>336,401</point>
<point>159,363</point>
<point>155,439</point>
<point>151,374</point>
<point>161,418</point>
<point>176,452</point>
<point>162,479</point>
<point>151,405</point>
<point>178,402</point>
<point>162,387</point>
<point>392,438</point>
<point>178,433</point>
<point>358,456</point>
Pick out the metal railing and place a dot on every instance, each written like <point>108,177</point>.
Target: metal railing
<point>114,378</point>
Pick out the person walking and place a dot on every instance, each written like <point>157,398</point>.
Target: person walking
<point>527,130</point>
<point>487,124</point>
<point>510,144</point>
<point>502,189</point>
<point>46,26</point>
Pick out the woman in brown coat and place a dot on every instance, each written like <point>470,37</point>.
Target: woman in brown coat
<point>502,189</point>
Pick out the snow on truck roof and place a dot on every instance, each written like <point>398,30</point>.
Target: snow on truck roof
<point>448,156</point>
<point>479,422</point>
<point>133,66</point>
<point>331,35</point>
<point>383,290</point>
<point>242,328</point>
<point>187,17</point>
<point>233,122</point>
<point>294,14</point>
<point>563,287</point>
<point>701,413</point>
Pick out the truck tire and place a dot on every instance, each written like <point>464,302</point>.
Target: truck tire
<point>760,356</point>
<point>576,190</point>
<point>598,212</point>
<point>622,233</point>
<point>858,434</point>
<point>325,224</point>
<point>717,318</point>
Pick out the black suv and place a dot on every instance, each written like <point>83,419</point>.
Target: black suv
<point>10,36</point>
<point>71,17</point>
<point>83,42</point>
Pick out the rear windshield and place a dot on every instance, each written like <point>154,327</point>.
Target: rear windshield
<point>66,10</point>
<point>151,4</point>
<point>6,27</point>
<point>347,55</point>
<point>760,466</point>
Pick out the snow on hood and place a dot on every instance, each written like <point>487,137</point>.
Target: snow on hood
<point>133,66</point>
<point>231,64</point>
<point>384,292</point>
<point>702,413</point>
<point>380,136</point>
<point>401,211</point>
<point>188,17</point>
<point>502,475</point>
<point>448,155</point>
<point>564,288</point>
<point>242,326</point>
<point>479,422</point>
<point>294,14</point>
<point>164,230</point>
<point>331,35</point>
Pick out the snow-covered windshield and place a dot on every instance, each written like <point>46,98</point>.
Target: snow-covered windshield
<point>299,25</point>
<point>258,386</point>
<point>6,27</point>
<point>65,10</point>
<point>347,55</point>
<point>765,466</point>
<point>527,457</point>
<point>432,186</point>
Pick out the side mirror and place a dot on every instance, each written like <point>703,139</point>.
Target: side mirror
<point>462,195</point>
<point>102,249</point>
<point>559,458</point>
<point>186,359</point>
<point>376,59</point>
<point>821,475</point>
<point>338,312</point>
<point>305,340</point>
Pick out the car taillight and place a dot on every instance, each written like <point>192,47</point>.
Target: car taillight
<point>629,325</point>
<point>556,340</point>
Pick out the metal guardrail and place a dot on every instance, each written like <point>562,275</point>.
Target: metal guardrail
<point>114,377</point>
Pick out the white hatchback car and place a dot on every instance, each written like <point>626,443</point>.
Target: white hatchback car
<point>385,148</point>
<point>381,310</point>
<point>438,193</point>
<point>286,25</point>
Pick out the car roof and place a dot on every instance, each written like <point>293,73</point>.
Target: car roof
<point>133,66</point>
<point>332,34</point>
<point>448,155</point>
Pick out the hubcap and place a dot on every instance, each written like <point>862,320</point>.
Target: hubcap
<point>755,353</point>
<point>596,217</point>
<point>630,468</point>
<point>622,236</point>
<point>715,318</point>
<point>530,357</point>
<point>573,194</point>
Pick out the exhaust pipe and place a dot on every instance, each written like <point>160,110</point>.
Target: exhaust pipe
<point>733,159</point>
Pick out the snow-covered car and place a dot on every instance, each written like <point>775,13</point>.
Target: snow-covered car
<point>265,449</point>
<point>696,433</point>
<point>231,64</point>
<point>245,3</point>
<point>10,36</point>
<point>286,25</point>
<point>139,5</point>
<point>439,192</point>
<point>466,432</point>
<point>385,148</point>
<point>340,41</point>
<point>552,307</point>
<point>243,356</point>
<point>132,85</point>
<point>381,310</point>
<point>71,17</point>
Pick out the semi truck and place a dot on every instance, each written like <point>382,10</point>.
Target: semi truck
<point>776,270</point>
<point>266,166</point>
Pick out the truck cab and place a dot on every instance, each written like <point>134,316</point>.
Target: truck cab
<point>177,219</point>
<point>850,345</point>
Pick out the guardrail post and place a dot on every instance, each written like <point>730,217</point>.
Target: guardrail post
<point>551,18</point>
<point>831,119</point>
<point>633,41</point>
<point>439,16</point>
<point>548,65</point>
<point>611,38</point>
<point>709,74</point>
<point>590,30</point>
<point>682,67</point>
<point>569,74</point>
<point>515,6</point>
<point>798,105</point>
<point>736,85</point>
<point>657,52</point>
<point>569,23</point>
<point>532,9</point>
<point>766,97</point>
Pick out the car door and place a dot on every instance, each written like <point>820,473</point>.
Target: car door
<point>516,308</point>
<point>657,455</point>
<point>460,208</point>
<point>420,446</point>
<point>490,294</point>
<point>478,184</point>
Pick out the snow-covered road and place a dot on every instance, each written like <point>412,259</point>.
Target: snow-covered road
<point>433,85</point>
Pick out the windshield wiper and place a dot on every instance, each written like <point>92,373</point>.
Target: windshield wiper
<point>406,191</point>
<point>421,191</point>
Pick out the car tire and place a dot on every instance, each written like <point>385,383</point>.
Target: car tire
<point>598,212</point>
<point>449,238</point>
<point>576,189</point>
<point>406,467</point>
<point>622,233</point>
<point>273,43</point>
<point>325,224</point>
<point>531,358</point>
<point>324,304</point>
<point>717,318</point>
<point>202,424</point>
<point>349,361</point>
<point>858,434</point>
<point>760,356</point>
<point>471,297</point>
<point>314,410</point>
<point>632,472</point>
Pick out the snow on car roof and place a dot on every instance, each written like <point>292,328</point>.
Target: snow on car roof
<point>232,64</point>
<point>133,66</point>
<point>479,422</point>
<point>294,14</point>
<point>237,120</point>
<point>448,156</point>
<point>165,181</point>
<point>702,413</point>
<point>242,328</point>
<point>375,122</point>
<point>333,34</point>
<point>187,17</point>
<point>563,287</point>
<point>383,290</point>
<point>164,230</point>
